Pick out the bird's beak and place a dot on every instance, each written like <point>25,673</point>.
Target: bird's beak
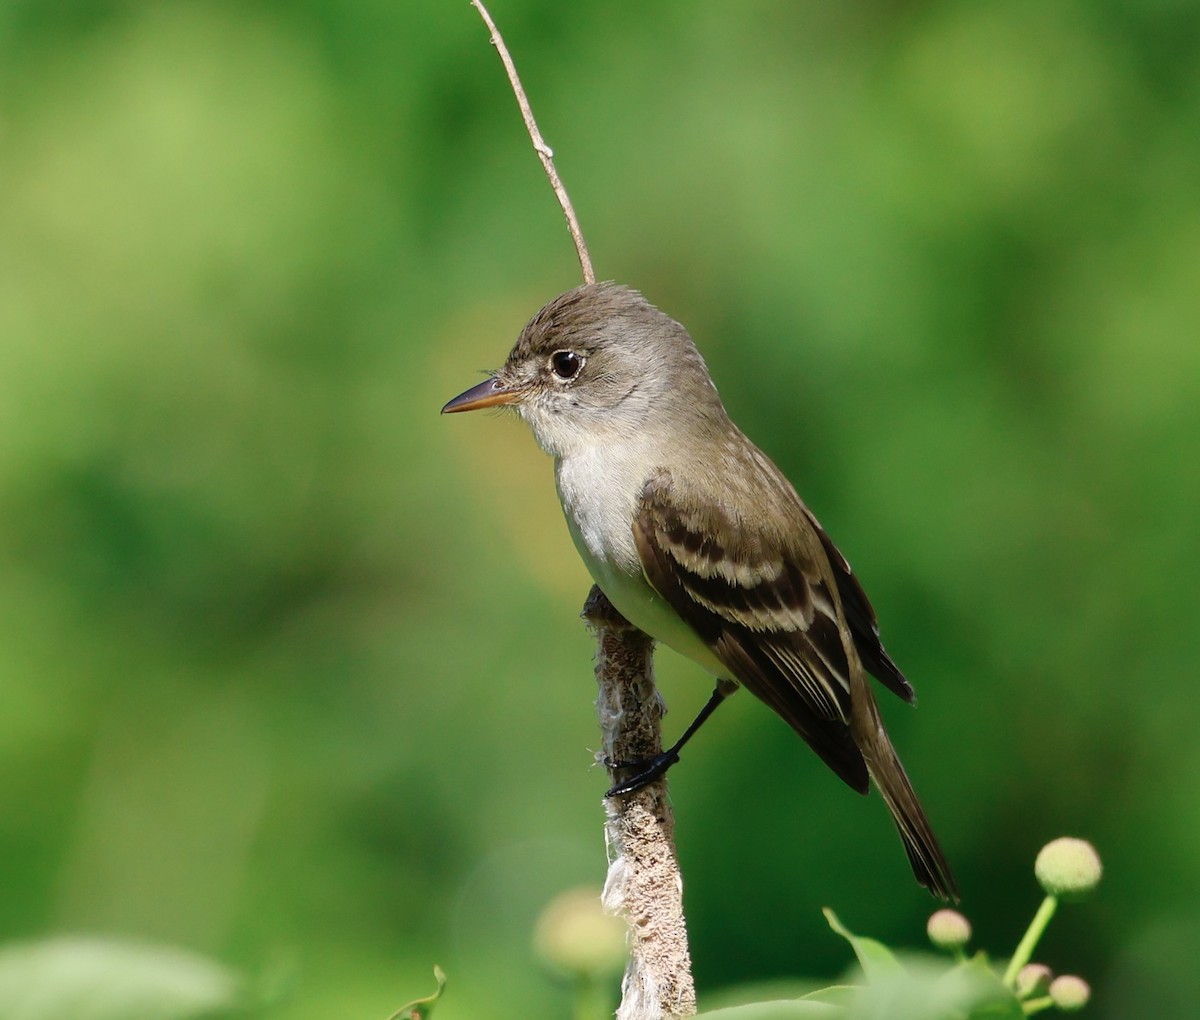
<point>489,393</point>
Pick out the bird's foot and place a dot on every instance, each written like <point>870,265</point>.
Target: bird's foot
<point>648,770</point>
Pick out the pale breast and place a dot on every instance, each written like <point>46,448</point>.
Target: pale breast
<point>599,489</point>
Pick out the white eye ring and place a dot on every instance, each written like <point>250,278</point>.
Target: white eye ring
<point>566,364</point>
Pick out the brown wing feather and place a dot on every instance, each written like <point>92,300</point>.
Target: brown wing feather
<point>775,631</point>
<point>860,617</point>
<point>765,607</point>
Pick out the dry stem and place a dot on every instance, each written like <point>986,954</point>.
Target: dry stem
<point>644,883</point>
<point>545,153</point>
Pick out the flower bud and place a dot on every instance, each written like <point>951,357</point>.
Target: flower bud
<point>1069,993</point>
<point>575,935</point>
<point>1068,868</point>
<point>948,929</point>
<point>1033,979</point>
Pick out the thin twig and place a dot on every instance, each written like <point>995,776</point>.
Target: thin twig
<point>545,153</point>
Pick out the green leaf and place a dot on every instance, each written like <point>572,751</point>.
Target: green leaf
<point>422,1009</point>
<point>108,979</point>
<point>989,998</point>
<point>834,995</point>
<point>926,989</point>
<point>794,1009</point>
<point>876,960</point>
<point>923,989</point>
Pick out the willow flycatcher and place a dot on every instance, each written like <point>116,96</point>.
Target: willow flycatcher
<point>698,539</point>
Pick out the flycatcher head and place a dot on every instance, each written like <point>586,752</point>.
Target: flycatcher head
<point>599,363</point>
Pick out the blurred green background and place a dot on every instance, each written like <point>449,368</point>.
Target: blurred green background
<point>291,670</point>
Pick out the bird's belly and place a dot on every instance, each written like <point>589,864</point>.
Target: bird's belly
<point>642,606</point>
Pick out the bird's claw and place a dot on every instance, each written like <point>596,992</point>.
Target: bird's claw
<point>649,769</point>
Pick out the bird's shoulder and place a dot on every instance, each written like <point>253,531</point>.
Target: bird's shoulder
<point>730,537</point>
<point>729,541</point>
<point>732,507</point>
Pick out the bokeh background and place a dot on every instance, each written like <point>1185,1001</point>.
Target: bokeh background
<point>291,670</point>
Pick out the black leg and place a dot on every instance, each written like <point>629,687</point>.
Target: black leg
<point>650,769</point>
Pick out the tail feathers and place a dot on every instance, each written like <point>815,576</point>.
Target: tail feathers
<point>924,854</point>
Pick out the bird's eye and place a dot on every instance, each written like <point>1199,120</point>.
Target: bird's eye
<point>566,364</point>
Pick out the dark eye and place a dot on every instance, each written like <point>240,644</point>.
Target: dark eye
<point>566,364</point>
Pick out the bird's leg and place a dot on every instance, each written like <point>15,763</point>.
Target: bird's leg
<point>650,769</point>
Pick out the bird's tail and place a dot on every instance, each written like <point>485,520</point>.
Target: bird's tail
<point>924,854</point>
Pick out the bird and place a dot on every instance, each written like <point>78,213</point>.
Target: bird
<point>699,540</point>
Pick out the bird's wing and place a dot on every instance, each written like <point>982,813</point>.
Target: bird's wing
<point>860,617</point>
<point>781,610</point>
<point>763,603</point>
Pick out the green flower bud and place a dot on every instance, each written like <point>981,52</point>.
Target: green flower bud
<point>1068,868</point>
<point>948,929</point>
<point>1033,979</point>
<point>1070,993</point>
<point>575,935</point>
